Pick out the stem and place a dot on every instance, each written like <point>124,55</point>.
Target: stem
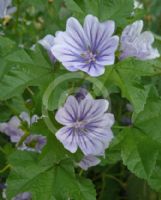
<point>17,16</point>
<point>103,187</point>
<point>5,168</point>
<point>30,91</point>
<point>120,127</point>
<point>81,172</point>
<point>116,179</point>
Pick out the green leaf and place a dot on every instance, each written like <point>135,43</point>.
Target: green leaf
<point>46,179</point>
<point>6,46</point>
<point>26,70</point>
<point>73,6</point>
<point>141,146</point>
<point>117,10</point>
<point>127,75</point>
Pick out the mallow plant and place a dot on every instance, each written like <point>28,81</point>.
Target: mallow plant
<point>81,108</point>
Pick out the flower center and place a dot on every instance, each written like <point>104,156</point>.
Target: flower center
<point>79,124</point>
<point>89,56</point>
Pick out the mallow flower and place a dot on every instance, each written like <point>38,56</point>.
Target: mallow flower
<point>6,8</point>
<point>14,130</point>
<point>138,44</point>
<point>87,125</point>
<point>89,161</point>
<point>88,48</point>
<point>48,42</point>
<point>23,196</point>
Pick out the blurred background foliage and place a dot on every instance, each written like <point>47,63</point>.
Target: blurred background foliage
<point>36,18</point>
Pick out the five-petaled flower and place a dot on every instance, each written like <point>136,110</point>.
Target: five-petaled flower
<point>89,48</point>
<point>87,125</point>
<point>137,44</point>
<point>14,130</point>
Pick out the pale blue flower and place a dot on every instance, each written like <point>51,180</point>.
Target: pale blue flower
<point>87,125</point>
<point>89,48</point>
<point>48,42</point>
<point>89,161</point>
<point>138,44</point>
<point>14,130</point>
<point>13,127</point>
<point>6,8</point>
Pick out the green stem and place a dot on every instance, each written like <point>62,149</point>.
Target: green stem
<point>81,172</point>
<point>30,91</point>
<point>5,168</point>
<point>116,179</point>
<point>120,127</point>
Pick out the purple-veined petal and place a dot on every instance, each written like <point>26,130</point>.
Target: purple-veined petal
<point>88,161</point>
<point>90,108</point>
<point>69,113</point>
<point>68,138</point>
<point>47,42</point>
<point>90,145</point>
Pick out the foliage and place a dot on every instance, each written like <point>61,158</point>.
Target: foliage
<point>29,81</point>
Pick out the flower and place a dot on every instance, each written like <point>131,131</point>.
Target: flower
<point>34,143</point>
<point>23,196</point>
<point>88,48</point>
<point>6,8</point>
<point>14,130</point>
<point>88,161</point>
<point>13,127</point>
<point>137,44</point>
<point>48,42</point>
<point>86,125</point>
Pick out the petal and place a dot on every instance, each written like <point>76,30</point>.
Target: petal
<point>98,33</point>
<point>14,121</point>
<point>104,121</point>
<point>109,26</point>
<point>3,127</point>
<point>75,30</point>
<point>90,108</point>
<point>88,161</point>
<point>68,55</point>
<point>90,145</point>
<point>34,119</point>
<point>25,117</point>
<point>106,51</point>
<point>98,133</point>
<point>69,113</point>
<point>11,10</point>
<point>68,138</point>
<point>47,42</point>
<point>131,32</point>
<point>70,45</point>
